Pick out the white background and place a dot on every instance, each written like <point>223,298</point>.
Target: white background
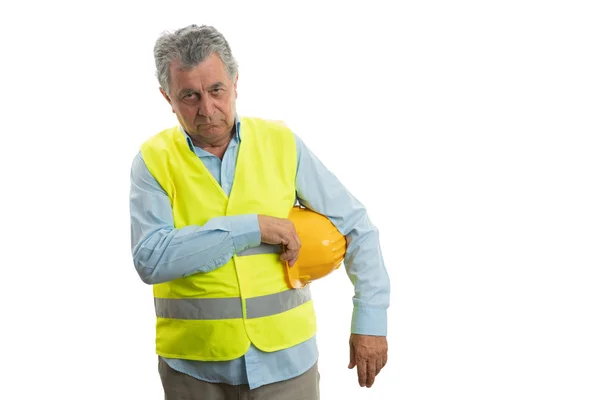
<point>469,129</point>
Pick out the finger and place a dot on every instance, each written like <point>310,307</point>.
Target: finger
<point>286,255</point>
<point>384,360</point>
<point>294,250</point>
<point>378,365</point>
<point>352,363</point>
<point>298,241</point>
<point>293,260</point>
<point>288,252</point>
<point>371,372</point>
<point>293,242</point>
<point>362,372</point>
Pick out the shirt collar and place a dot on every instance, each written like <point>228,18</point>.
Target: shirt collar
<point>237,124</point>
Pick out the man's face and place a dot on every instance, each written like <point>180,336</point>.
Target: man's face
<point>203,98</point>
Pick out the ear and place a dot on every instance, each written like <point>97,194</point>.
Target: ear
<point>235,84</point>
<point>166,96</point>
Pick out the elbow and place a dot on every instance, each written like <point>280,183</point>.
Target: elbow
<point>146,274</point>
<point>148,278</point>
<point>146,271</point>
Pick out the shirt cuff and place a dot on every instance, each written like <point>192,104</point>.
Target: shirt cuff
<point>369,321</point>
<point>245,231</point>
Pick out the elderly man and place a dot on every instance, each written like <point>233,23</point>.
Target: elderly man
<point>206,196</point>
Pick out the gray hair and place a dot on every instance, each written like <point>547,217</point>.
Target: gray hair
<point>190,46</point>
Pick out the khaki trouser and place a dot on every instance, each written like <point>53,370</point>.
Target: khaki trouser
<point>180,386</point>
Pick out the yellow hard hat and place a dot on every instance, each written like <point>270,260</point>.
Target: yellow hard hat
<point>322,251</point>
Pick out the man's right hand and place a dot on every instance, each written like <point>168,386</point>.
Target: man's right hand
<point>275,230</point>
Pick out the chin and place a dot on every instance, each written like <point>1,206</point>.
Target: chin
<point>212,131</point>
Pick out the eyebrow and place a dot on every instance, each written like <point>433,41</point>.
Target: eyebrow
<point>184,92</point>
<point>216,85</point>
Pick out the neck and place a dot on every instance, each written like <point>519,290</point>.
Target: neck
<point>216,147</point>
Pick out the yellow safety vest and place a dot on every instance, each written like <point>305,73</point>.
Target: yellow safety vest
<point>215,316</point>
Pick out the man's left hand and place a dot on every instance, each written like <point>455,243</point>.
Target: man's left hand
<point>369,355</point>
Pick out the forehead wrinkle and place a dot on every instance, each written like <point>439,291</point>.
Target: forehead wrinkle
<point>191,79</point>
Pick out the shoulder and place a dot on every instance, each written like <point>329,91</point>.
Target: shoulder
<point>160,140</point>
<point>262,124</point>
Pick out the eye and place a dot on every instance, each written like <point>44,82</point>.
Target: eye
<point>217,91</point>
<point>191,96</point>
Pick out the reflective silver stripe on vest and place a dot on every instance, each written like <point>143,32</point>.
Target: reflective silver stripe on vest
<point>272,304</point>
<point>263,248</point>
<point>220,308</point>
<point>227,308</point>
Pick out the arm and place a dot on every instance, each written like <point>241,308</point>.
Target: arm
<point>319,190</point>
<point>161,252</point>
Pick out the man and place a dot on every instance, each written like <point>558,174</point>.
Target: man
<point>227,325</point>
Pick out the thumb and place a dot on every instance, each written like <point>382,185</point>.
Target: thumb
<point>352,357</point>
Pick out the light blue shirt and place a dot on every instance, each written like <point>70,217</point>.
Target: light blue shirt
<point>162,253</point>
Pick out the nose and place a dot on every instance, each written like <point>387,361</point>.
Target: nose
<point>207,108</point>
